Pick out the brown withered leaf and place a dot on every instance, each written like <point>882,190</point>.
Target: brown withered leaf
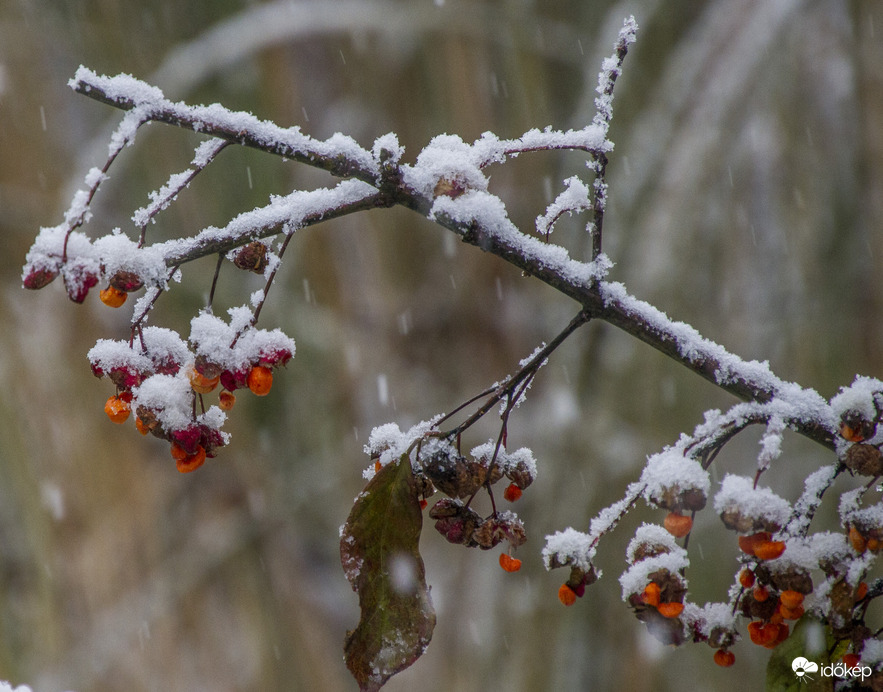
<point>380,556</point>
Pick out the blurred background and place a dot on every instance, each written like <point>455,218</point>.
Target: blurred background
<point>745,199</point>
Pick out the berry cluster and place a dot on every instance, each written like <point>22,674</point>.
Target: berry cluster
<point>440,466</point>
<point>461,478</point>
<point>164,381</point>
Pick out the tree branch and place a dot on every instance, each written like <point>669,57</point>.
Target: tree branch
<point>476,216</point>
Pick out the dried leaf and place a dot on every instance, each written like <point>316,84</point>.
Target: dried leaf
<point>380,556</point>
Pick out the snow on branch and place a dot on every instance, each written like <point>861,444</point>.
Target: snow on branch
<point>162,378</point>
<point>340,155</point>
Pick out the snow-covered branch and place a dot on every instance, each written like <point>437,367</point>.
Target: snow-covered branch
<point>163,379</point>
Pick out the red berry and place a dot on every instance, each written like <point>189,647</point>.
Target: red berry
<point>512,492</point>
<point>724,658</point>
<point>746,578</point>
<point>851,660</point>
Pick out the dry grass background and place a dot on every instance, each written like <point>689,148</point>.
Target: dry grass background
<point>745,199</point>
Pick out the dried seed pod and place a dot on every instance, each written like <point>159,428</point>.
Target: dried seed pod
<point>864,459</point>
<point>759,609</point>
<point>456,522</point>
<point>455,475</point>
<point>252,257</point>
<point>488,535</point>
<point>736,520</point>
<point>38,278</point>
<point>520,474</point>
<point>206,367</point>
<point>126,281</point>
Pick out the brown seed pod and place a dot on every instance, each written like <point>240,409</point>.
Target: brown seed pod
<point>520,475</point>
<point>455,475</point>
<point>741,523</point>
<point>126,281</point>
<point>456,522</point>
<point>864,459</point>
<point>252,257</point>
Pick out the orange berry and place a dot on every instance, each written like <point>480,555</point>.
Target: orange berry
<point>724,658</point>
<point>769,550</point>
<point>874,545</point>
<point>670,610</point>
<point>651,594</point>
<point>678,525</point>
<point>763,633</point>
<point>782,632</point>
<point>790,613</point>
<point>191,462</point>
<point>226,400</point>
<point>423,504</point>
<point>260,380</point>
<point>791,599</point>
<point>509,563</point>
<point>566,595</point>
<point>200,383</point>
<point>746,578</point>
<point>760,593</point>
<point>117,409</point>
<point>747,544</point>
<point>112,297</point>
<point>140,426</point>
<point>377,466</point>
<point>861,590</point>
<point>512,492</point>
<point>859,543</point>
<point>847,432</point>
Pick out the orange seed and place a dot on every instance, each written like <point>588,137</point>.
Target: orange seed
<point>566,595</point>
<point>678,525</point>
<point>670,610</point>
<point>260,380</point>
<point>509,563</point>
<point>191,462</point>
<point>769,550</point>
<point>112,297</point>
<point>117,409</point>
